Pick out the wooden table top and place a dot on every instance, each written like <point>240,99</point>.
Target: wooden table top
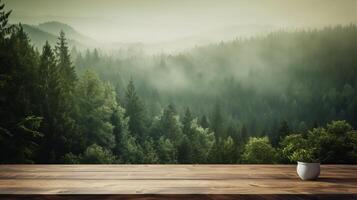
<point>173,179</point>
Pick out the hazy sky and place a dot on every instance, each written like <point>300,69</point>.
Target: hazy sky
<point>164,20</point>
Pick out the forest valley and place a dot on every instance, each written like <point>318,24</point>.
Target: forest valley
<point>232,102</point>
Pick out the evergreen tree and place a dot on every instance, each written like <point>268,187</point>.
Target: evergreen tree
<point>166,151</point>
<point>204,122</point>
<point>120,128</point>
<point>5,28</point>
<point>135,111</point>
<point>97,103</point>
<point>131,151</point>
<point>19,119</point>
<point>229,153</point>
<point>282,132</point>
<point>243,133</point>
<point>186,122</point>
<point>48,116</point>
<point>259,150</point>
<point>185,150</point>
<point>127,148</point>
<point>65,63</point>
<point>50,93</point>
<point>95,154</point>
<point>215,154</point>
<point>150,154</point>
<point>217,122</point>
<point>202,141</point>
<point>57,104</point>
<point>171,126</point>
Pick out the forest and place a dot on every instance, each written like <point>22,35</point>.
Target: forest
<point>239,101</point>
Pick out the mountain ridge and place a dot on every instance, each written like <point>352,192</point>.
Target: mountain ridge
<point>49,31</point>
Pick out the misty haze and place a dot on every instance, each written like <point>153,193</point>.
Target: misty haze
<point>155,81</point>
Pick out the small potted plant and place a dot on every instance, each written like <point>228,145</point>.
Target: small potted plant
<point>305,152</point>
<point>308,167</point>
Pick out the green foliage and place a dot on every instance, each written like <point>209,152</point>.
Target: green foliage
<point>30,124</point>
<point>19,121</point>
<point>70,158</point>
<point>171,125</point>
<point>217,121</point>
<point>57,104</point>
<point>49,115</point>
<point>166,151</point>
<point>296,148</point>
<point>204,122</point>
<point>186,122</point>
<point>282,132</point>
<point>334,144</point>
<point>95,154</point>
<point>304,155</point>
<point>229,147</point>
<point>5,28</point>
<point>135,112</point>
<point>201,142</point>
<point>185,151</point>
<point>127,148</point>
<point>96,103</point>
<point>64,62</point>
<point>259,150</point>
<point>150,153</point>
<point>131,151</point>
<point>338,128</point>
<point>292,143</point>
<point>52,107</point>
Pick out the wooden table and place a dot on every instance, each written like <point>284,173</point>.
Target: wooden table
<point>174,182</point>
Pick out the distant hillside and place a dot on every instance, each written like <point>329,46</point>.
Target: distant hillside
<point>55,27</point>
<point>39,37</point>
<point>204,38</point>
<point>49,31</point>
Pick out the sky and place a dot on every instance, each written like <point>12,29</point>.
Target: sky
<point>166,20</point>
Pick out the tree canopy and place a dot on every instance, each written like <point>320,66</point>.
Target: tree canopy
<point>260,100</point>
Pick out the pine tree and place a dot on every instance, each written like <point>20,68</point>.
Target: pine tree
<point>135,112</point>
<point>166,150</point>
<point>120,123</point>
<point>229,151</point>
<point>5,28</point>
<point>243,133</point>
<point>96,154</point>
<point>56,104</point>
<point>50,94</point>
<point>65,63</point>
<point>96,101</point>
<point>64,136</point>
<point>202,141</point>
<point>186,122</point>
<point>150,156</point>
<point>19,121</point>
<point>217,122</point>
<point>259,150</point>
<point>171,125</point>
<point>185,152</point>
<point>282,132</point>
<point>204,122</point>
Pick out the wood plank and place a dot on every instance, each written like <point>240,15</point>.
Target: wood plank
<point>206,181</point>
<point>183,197</point>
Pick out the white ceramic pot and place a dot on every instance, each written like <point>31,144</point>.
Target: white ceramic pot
<point>308,171</point>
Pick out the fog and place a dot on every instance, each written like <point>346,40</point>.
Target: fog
<point>161,81</point>
<point>160,21</point>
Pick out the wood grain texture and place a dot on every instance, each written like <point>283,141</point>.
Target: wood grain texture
<point>185,196</point>
<point>174,182</point>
